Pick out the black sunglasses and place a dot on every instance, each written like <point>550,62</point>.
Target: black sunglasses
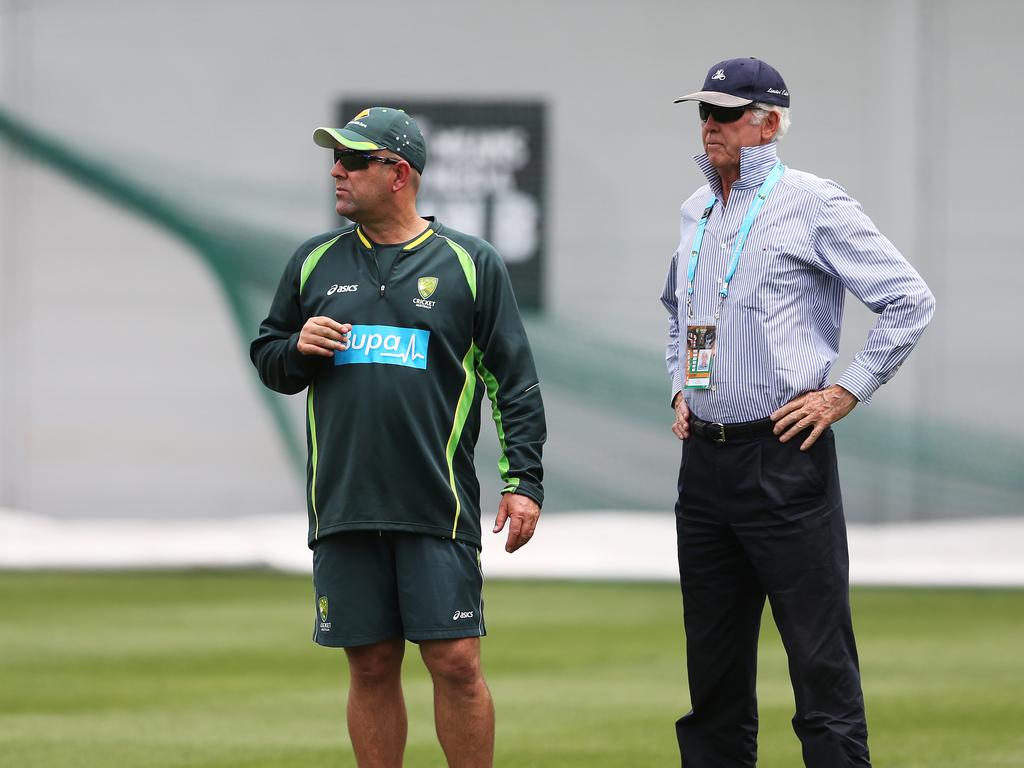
<point>360,161</point>
<point>721,114</point>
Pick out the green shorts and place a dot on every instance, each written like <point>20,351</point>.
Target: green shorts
<point>378,585</point>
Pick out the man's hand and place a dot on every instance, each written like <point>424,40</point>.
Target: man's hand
<point>681,427</point>
<point>818,409</point>
<point>323,336</point>
<point>523,512</point>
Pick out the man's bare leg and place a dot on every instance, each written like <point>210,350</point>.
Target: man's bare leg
<point>377,722</point>
<point>463,709</point>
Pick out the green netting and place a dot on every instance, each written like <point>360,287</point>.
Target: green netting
<point>245,260</point>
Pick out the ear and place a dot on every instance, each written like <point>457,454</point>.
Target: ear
<point>769,127</point>
<point>403,176</point>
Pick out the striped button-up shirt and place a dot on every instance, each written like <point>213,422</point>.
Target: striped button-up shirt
<point>778,332</point>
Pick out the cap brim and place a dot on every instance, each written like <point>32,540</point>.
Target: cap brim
<point>716,98</point>
<point>332,138</point>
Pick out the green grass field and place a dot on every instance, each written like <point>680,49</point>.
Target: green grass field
<point>216,669</point>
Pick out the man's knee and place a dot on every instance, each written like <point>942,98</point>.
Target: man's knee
<point>377,663</point>
<point>454,662</point>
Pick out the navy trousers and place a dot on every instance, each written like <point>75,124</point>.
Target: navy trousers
<point>757,518</point>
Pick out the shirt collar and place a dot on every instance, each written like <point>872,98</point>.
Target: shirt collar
<point>755,165</point>
<point>413,245</point>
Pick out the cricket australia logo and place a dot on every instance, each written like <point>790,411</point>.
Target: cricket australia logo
<point>426,287</point>
<point>321,604</point>
<point>719,75</point>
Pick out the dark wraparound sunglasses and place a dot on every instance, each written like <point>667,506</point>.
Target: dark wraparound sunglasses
<point>721,114</point>
<point>360,161</point>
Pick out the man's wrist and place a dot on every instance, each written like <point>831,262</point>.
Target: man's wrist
<point>536,498</point>
<point>859,382</point>
<point>297,363</point>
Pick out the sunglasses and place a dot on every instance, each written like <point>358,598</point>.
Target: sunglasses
<point>721,114</point>
<point>360,161</point>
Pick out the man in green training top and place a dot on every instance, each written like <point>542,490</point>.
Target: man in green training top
<point>396,327</point>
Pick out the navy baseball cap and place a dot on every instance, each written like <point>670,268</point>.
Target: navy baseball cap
<point>738,82</point>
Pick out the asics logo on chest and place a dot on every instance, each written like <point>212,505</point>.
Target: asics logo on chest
<point>336,288</point>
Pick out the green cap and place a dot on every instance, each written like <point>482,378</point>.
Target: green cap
<point>378,128</point>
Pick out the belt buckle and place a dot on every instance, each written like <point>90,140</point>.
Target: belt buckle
<point>720,438</point>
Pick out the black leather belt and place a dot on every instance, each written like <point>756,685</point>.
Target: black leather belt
<point>721,433</point>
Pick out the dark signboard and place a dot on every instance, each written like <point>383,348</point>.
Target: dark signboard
<point>484,176</point>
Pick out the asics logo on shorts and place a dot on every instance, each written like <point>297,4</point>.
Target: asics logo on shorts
<point>462,615</point>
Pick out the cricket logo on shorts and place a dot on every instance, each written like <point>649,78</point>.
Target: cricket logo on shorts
<point>325,625</point>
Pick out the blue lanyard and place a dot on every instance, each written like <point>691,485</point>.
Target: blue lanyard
<point>741,238</point>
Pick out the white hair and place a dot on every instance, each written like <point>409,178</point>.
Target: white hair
<point>760,112</point>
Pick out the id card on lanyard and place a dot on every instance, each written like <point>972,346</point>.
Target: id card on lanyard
<point>700,356</point>
<point>702,338</point>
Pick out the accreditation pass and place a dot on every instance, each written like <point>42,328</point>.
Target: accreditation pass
<point>700,356</point>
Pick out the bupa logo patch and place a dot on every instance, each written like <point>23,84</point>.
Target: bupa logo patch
<point>385,345</point>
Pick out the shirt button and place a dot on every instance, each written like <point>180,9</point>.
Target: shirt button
<point>723,245</point>
<point>713,387</point>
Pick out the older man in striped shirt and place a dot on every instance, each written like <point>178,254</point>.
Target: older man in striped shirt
<point>755,298</point>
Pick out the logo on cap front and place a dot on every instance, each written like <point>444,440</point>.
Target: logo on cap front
<point>719,75</point>
<point>364,113</point>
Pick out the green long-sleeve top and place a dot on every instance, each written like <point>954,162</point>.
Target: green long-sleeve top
<point>392,421</point>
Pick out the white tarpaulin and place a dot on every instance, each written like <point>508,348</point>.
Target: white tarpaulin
<point>577,545</point>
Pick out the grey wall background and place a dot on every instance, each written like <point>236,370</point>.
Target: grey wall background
<point>125,390</point>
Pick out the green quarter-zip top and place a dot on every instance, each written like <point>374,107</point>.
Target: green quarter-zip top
<point>392,421</point>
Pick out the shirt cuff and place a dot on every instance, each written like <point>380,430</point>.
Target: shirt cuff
<point>298,365</point>
<point>859,382</point>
